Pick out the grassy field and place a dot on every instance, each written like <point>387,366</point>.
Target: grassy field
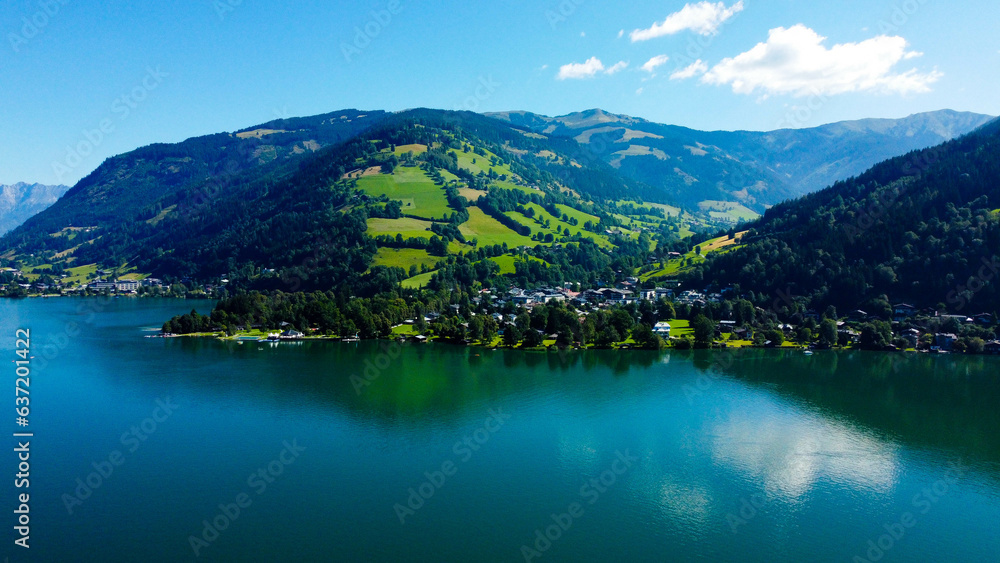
<point>489,231</point>
<point>481,164</point>
<point>680,328</point>
<point>404,258</point>
<point>408,227</point>
<point>579,215</point>
<point>415,149</point>
<point>554,224</point>
<point>162,215</point>
<point>449,177</point>
<point>728,210</point>
<point>718,244</point>
<point>413,188</point>
<point>507,261</point>
<point>418,282</point>
<point>80,274</point>
<point>673,267</point>
<point>471,194</point>
<point>516,187</point>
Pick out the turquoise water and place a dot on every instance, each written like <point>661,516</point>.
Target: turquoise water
<point>754,456</point>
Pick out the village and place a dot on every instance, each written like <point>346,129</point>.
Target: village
<point>668,311</point>
<point>103,282</point>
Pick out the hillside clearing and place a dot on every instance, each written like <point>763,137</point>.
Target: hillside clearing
<point>411,186</point>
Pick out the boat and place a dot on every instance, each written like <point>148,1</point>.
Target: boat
<point>809,352</point>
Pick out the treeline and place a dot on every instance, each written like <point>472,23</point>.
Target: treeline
<point>329,313</point>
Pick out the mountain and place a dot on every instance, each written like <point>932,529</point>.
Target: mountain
<point>922,228</point>
<point>322,202</point>
<point>20,201</point>
<point>361,203</point>
<point>161,175</point>
<point>754,169</point>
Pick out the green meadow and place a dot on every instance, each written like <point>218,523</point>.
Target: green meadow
<point>406,226</point>
<point>489,231</point>
<point>404,258</point>
<point>413,188</point>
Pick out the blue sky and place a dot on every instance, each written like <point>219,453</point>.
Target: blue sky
<point>82,80</point>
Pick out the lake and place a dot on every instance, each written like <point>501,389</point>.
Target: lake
<point>155,450</point>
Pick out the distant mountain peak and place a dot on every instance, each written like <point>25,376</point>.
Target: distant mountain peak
<point>752,168</point>
<point>20,201</point>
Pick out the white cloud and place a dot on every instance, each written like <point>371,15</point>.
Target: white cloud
<point>795,61</point>
<point>619,66</point>
<point>639,91</point>
<point>692,70</point>
<point>587,69</point>
<point>621,34</point>
<point>655,62</point>
<point>704,18</point>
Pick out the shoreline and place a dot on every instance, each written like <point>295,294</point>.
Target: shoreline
<point>553,347</point>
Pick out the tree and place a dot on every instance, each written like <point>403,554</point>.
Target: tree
<point>476,329</point>
<point>744,312</point>
<point>608,337</point>
<point>776,337</point>
<point>828,332</point>
<point>437,246</point>
<point>666,311</point>
<point>621,320</point>
<point>876,335</point>
<point>704,330</point>
<point>490,328</point>
<point>804,335</point>
<point>646,338</point>
<point>511,335</point>
<point>533,338</point>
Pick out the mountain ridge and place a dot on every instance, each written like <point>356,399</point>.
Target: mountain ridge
<point>757,169</point>
<point>20,201</point>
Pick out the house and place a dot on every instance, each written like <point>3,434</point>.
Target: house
<point>984,319</point>
<point>662,329</point>
<point>522,299</point>
<point>691,297</point>
<point>857,315</point>
<point>911,336</point>
<point>849,336</point>
<point>127,285</point>
<point>992,348</point>
<point>663,293</point>
<point>727,327</point>
<point>903,311</point>
<point>99,285</point>
<point>647,294</point>
<point>291,334</point>
<point>615,295</point>
<point>944,341</point>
